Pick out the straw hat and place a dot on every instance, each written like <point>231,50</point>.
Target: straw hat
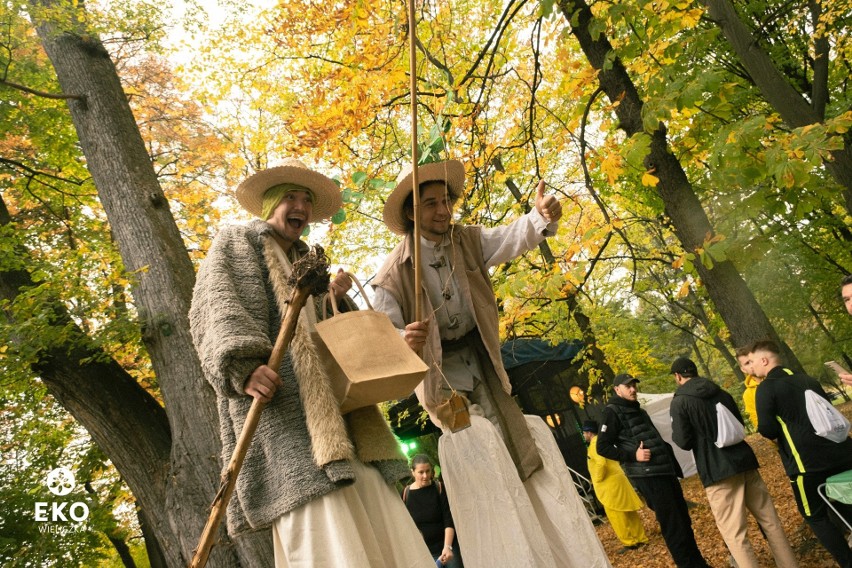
<point>327,200</point>
<point>450,171</point>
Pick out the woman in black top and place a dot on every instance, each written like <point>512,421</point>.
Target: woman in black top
<point>427,503</point>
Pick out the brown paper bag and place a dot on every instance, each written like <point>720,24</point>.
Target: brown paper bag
<point>366,358</point>
<point>454,413</point>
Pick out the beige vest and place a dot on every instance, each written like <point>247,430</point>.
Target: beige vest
<point>397,278</point>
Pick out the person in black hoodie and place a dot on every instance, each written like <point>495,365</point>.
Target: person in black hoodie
<point>729,474</point>
<point>808,459</point>
<point>628,436</point>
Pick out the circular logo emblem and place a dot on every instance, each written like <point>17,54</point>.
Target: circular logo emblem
<point>60,481</point>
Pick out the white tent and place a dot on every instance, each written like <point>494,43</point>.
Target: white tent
<point>657,407</point>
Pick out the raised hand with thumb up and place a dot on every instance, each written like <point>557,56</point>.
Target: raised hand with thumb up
<point>548,206</point>
<point>643,454</point>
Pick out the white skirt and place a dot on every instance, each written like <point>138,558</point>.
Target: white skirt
<point>363,525</point>
<point>563,517</point>
<point>501,521</point>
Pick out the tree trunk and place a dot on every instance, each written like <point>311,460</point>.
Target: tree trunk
<point>736,304</point>
<point>123,551</point>
<point>590,347</point>
<point>152,250</point>
<point>156,559</point>
<point>701,315</point>
<point>124,420</point>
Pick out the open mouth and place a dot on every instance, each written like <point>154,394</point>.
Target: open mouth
<point>297,223</point>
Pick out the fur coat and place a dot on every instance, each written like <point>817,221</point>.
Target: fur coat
<point>302,447</point>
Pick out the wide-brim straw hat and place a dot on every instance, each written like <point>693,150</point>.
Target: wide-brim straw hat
<point>450,172</point>
<point>326,195</point>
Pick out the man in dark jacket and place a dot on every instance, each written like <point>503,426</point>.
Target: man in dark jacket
<point>808,459</point>
<point>729,474</point>
<point>628,436</point>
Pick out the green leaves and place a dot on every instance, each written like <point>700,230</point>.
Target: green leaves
<point>38,436</point>
<point>430,151</point>
<point>546,8</point>
<point>636,150</point>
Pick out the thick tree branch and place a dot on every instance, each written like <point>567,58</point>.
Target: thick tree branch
<point>41,93</point>
<point>736,304</point>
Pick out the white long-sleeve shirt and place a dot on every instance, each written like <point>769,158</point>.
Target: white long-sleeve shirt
<point>453,317</point>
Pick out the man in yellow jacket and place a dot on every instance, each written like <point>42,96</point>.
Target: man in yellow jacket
<point>750,383</point>
<point>615,493</point>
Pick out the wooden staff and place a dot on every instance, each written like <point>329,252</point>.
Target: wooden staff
<point>459,407</point>
<point>310,276</point>
<point>415,180</point>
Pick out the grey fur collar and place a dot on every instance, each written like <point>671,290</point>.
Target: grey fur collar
<point>332,435</point>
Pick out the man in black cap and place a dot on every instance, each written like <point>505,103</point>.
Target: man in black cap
<point>628,436</point>
<point>700,412</point>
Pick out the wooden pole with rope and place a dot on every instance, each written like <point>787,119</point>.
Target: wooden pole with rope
<point>457,405</point>
<point>415,180</point>
<point>310,276</point>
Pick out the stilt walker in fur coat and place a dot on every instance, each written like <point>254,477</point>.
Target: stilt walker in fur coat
<point>320,480</point>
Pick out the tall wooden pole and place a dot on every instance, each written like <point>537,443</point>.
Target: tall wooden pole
<point>415,180</point>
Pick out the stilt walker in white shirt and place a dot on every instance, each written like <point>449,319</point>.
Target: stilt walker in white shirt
<point>512,496</point>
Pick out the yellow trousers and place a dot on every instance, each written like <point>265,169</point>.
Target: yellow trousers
<point>627,526</point>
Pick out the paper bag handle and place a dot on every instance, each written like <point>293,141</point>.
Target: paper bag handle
<point>352,277</point>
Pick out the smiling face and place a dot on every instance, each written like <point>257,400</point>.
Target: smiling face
<point>423,474</point>
<point>291,217</point>
<point>436,210</point>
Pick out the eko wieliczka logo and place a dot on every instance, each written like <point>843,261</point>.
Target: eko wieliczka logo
<point>60,482</point>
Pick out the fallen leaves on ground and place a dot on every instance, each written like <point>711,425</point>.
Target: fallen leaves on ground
<point>809,551</point>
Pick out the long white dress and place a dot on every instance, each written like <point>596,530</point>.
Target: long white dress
<point>495,520</point>
<point>563,517</point>
<point>501,521</point>
<point>363,525</point>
